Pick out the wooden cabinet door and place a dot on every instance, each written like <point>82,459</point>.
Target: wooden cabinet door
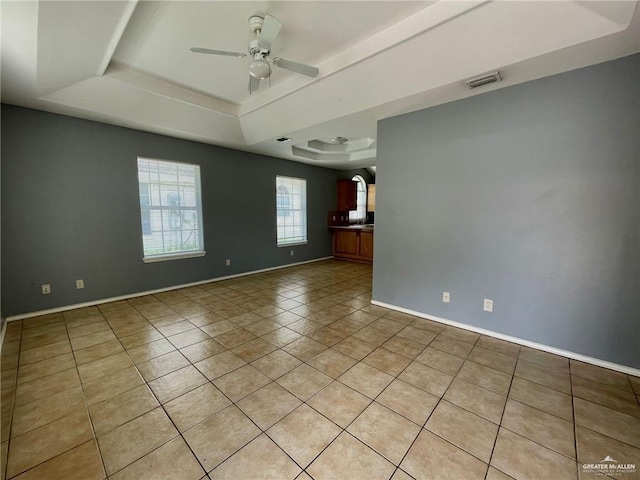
<point>366,245</point>
<point>346,242</point>
<point>347,195</point>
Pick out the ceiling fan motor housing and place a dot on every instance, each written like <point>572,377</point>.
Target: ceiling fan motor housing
<point>256,22</point>
<point>254,48</point>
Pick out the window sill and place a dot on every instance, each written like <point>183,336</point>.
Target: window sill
<point>293,244</point>
<point>173,256</point>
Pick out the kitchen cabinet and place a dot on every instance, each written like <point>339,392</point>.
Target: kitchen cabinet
<point>365,250</point>
<point>347,198</point>
<point>353,243</point>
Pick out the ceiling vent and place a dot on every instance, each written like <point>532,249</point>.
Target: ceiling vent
<point>283,139</point>
<point>484,80</point>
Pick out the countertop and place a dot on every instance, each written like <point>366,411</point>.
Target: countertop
<point>352,227</point>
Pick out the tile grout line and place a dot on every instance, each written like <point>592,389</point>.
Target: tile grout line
<point>231,403</point>
<point>303,469</point>
<point>165,337</point>
<point>13,404</point>
<point>82,384</point>
<point>383,344</point>
<point>95,436</point>
<point>160,404</point>
<point>76,365</point>
<point>575,423</point>
<point>440,399</point>
<point>84,397</point>
<point>495,441</point>
<point>374,401</point>
<point>84,402</point>
<point>302,402</point>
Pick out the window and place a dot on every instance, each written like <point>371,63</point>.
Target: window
<point>170,210</point>
<point>291,210</point>
<point>361,200</point>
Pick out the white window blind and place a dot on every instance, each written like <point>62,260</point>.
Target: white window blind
<point>361,200</point>
<point>291,210</point>
<point>170,209</point>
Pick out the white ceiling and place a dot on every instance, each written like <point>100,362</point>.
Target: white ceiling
<point>128,63</point>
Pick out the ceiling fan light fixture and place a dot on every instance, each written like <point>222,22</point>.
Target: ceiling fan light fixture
<point>259,69</point>
<point>266,29</point>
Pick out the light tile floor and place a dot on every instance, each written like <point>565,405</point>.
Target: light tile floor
<point>294,374</point>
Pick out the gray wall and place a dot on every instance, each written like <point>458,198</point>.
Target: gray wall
<point>3,320</point>
<point>70,210</point>
<point>530,196</point>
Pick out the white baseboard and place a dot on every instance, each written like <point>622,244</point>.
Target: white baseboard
<point>65,308</point>
<point>538,346</point>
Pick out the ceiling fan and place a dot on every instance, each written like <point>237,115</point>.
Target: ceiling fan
<point>266,29</point>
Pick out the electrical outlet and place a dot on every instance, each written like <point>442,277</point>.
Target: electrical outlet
<point>446,297</point>
<point>292,253</point>
<point>487,306</point>
<point>79,284</point>
<point>228,262</point>
<point>46,289</point>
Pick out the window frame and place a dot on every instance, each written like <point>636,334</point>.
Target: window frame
<point>146,209</point>
<point>361,209</point>
<point>290,208</point>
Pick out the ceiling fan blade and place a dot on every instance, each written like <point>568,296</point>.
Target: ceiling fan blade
<point>270,29</point>
<point>307,70</point>
<point>254,84</point>
<point>217,52</point>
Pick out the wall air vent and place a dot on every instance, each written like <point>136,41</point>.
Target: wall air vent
<point>283,139</point>
<point>484,80</point>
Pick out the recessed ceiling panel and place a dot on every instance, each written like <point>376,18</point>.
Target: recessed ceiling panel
<point>159,35</point>
<point>376,60</point>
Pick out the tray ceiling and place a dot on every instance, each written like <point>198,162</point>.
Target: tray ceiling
<point>128,63</point>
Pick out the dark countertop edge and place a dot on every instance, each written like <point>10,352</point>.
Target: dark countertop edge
<point>351,227</point>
